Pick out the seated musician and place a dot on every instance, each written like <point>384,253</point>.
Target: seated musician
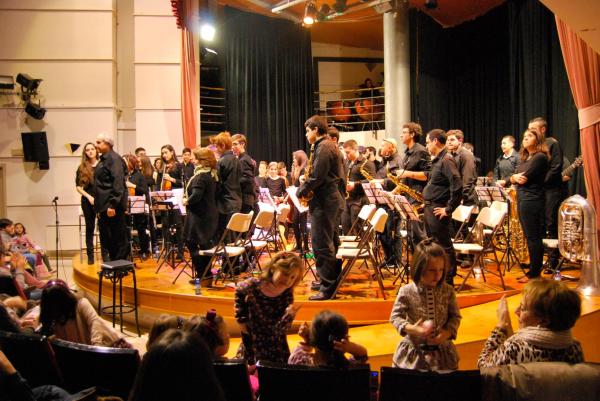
<point>275,183</point>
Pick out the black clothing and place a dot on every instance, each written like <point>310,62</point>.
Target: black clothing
<point>247,183</point>
<point>89,214</point>
<point>175,171</point>
<point>390,164</point>
<point>325,180</point>
<point>140,221</point>
<point>530,198</point>
<point>443,189</point>
<point>465,163</point>
<point>109,180</point>
<point>188,171</point>
<point>506,166</point>
<point>229,192</point>
<point>276,186</point>
<point>444,184</point>
<point>554,194</point>
<point>416,158</point>
<point>555,166</point>
<point>202,218</point>
<point>357,197</point>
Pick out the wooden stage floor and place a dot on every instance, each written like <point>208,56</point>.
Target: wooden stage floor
<point>359,299</point>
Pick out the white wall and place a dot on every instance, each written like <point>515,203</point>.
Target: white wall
<point>108,66</point>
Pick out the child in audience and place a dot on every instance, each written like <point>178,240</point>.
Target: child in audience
<point>162,324</point>
<point>24,244</point>
<point>264,309</point>
<point>426,313</point>
<point>326,343</point>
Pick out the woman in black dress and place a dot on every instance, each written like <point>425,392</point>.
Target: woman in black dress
<point>202,215</point>
<point>84,183</point>
<point>138,186</point>
<point>172,179</point>
<point>530,176</point>
<point>299,220</point>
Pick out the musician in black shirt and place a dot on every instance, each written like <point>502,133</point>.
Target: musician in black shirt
<point>172,179</point>
<point>137,183</point>
<point>506,164</point>
<point>187,165</point>
<point>442,195</point>
<point>248,168</point>
<point>111,199</point>
<point>229,190</point>
<point>325,181</point>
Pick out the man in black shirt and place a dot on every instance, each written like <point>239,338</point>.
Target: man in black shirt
<point>111,199</point>
<point>248,166</point>
<point>324,181</point>
<point>465,163</point>
<point>442,195</point>
<point>356,194</point>
<point>229,191</point>
<point>188,166</point>
<point>552,186</point>
<point>506,164</point>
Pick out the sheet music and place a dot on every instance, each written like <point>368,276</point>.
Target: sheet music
<point>265,196</point>
<point>137,204</point>
<point>177,200</point>
<point>292,194</point>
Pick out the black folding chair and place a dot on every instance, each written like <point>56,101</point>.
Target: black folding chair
<point>280,382</point>
<point>111,370</point>
<point>407,385</point>
<point>233,376</point>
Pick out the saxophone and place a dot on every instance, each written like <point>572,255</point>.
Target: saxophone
<point>518,242</point>
<point>309,166</point>
<point>364,172</point>
<point>578,240</point>
<point>405,190</point>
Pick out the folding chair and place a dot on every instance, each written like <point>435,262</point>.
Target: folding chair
<point>255,242</point>
<point>355,241</point>
<point>492,219</point>
<point>283,210</point>
<point>238,226</point>
<point>363,251</point>
<point>462,214</point>
<point>359,225</point>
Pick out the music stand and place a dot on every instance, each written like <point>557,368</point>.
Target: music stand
<point>291,191</point>
<point>135,205</point>
<point>409,214</point>
<point>166,202</point>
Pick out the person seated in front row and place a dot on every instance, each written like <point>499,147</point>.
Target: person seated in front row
<point>163,323</point>
<point>326,342</point>
<point>547,313</point>
<point>26,246</point>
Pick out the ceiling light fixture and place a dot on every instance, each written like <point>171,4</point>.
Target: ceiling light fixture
<point>310,13</point>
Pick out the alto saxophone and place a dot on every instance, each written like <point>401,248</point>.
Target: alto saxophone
<point>405,190</point>
<point>364,172</point>
<point>309,166</point>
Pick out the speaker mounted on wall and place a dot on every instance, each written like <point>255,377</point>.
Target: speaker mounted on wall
<point>35,149</point>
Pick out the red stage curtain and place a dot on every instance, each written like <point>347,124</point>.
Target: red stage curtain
<point>186,12</point>
<point>583,68</point>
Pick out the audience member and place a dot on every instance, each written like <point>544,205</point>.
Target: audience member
<point>162,324</point>
<point>547,312</point>
<point>426,313</point>
<point>178,366</point>
<point>326,342</point>
<point>264,309</point>
<point>25,245</point>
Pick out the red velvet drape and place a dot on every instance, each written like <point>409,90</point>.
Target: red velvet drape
<point>186,12</point>
<point>583,68</point>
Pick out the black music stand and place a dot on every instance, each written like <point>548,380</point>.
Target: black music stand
<point>308,263</point>
<point>165,201</point>
<point>135,205</point>
<point>407,212</point>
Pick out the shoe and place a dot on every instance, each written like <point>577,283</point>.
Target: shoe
<point>548,271</point>
<point>315,285</point>
<point>523,280</point>
<point>319,296</point>
<point>91,260</point>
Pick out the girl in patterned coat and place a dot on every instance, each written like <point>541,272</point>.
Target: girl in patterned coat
<point>426,314</point>
<point>264,309</point>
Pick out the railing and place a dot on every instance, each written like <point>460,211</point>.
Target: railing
<point>348,112</point>
<point>212,109</point>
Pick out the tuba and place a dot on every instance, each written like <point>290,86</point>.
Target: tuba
<point>578,240</point>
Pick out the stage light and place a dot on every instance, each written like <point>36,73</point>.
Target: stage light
<point>28,83</point>
<point>310,13</point>
<point>35,111</point>
<point>207,32</point>
<point>324,12</point>
<point>339,6</point>
<point>431,4</point>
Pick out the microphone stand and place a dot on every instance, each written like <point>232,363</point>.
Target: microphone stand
<point>56,239</point>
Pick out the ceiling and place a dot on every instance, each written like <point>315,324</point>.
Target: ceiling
<point>364,28</point>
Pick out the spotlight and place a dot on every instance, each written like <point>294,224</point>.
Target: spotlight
<point>35,111</point>
<point>207,32</point>
<point>310,13</point>
<point>28,83</point>
<point>339,6</point>
<point>431,4</point>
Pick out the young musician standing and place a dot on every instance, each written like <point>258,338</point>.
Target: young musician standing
<point>506,165</point>
<point>187,165</point>
<point>441,195</point>
<point>248,166</point>
<point>172,179</point>
<point>85,186</point>
<point>111,199</point>
<point>229,191</point>
<point>324,181</point>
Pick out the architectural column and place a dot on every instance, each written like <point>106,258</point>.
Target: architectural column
<point>396,55</point>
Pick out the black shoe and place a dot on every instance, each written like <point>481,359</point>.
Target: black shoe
<point>315,285</point>
<point>319,296</point>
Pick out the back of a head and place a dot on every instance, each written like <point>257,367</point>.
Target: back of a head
<point>327,327</point>
<point>178,366</point>
<point>57,304</point>
<point>554,302</point>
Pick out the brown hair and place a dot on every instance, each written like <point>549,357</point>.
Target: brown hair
<point>85,171</point>
<point>209,327</point>
<point>457,133</point>
<point>163,323</point>
<point>223,141</point>
<point>540,146</point>
<point>415,129</point>
<point>147,169</point>
<point>553,302</point>
<point>132,162</point>
<point>241,138</point>
<point>351,143</point>
<point>205,154</point>
<point>318,122</point>
<point>424,252</point>
<point>287,262</point>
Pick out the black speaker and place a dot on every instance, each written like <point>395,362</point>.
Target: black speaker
<point>35,148</point>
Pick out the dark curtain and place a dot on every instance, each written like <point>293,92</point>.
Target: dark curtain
<point>268,81</point>
<point>490,76</point>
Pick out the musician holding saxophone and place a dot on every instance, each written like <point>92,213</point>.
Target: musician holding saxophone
<point>360,170</point>
<point>326,174</point>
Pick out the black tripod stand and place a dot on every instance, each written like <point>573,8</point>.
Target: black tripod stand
<point>56,232</point>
